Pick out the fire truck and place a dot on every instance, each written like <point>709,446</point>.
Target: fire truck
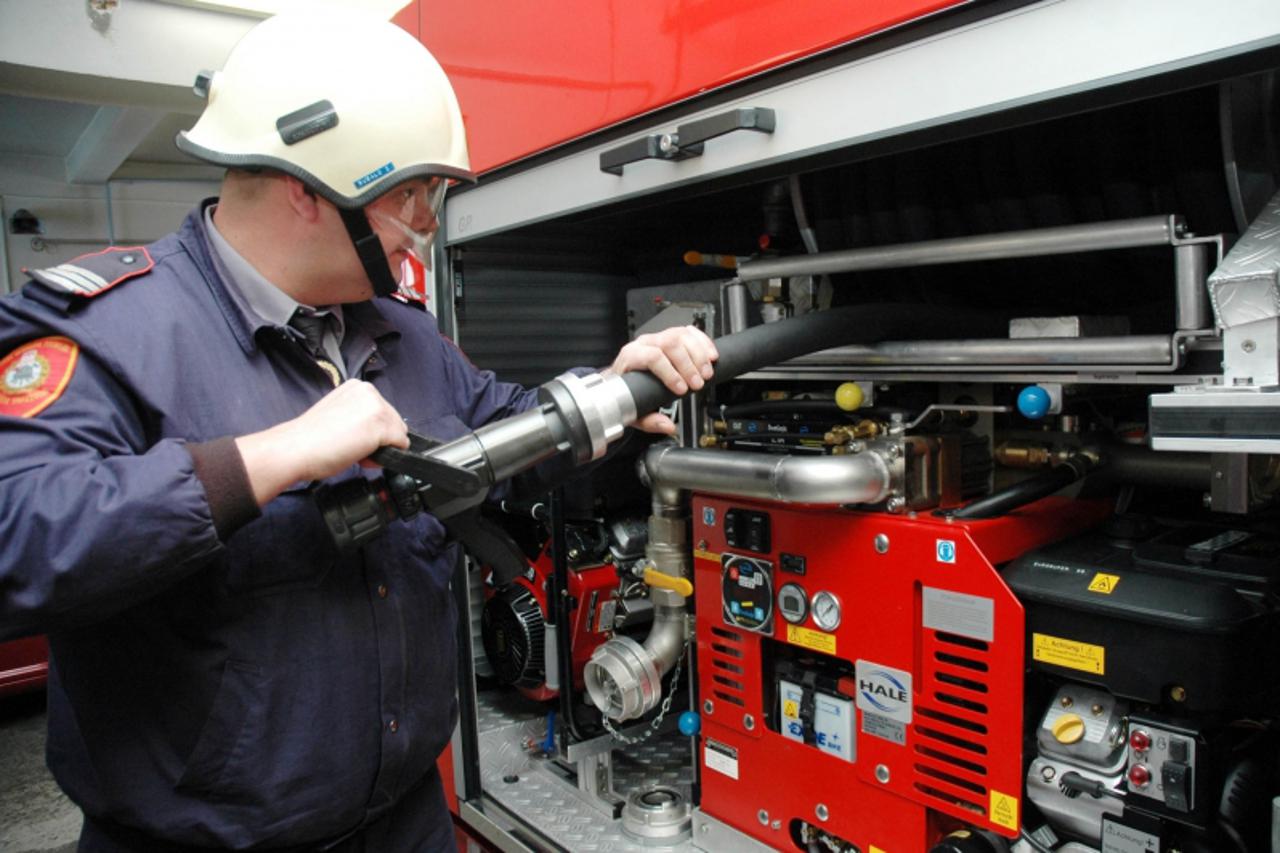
<point>972,545</point>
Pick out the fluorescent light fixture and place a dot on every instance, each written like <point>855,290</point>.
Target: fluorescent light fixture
<point>267,8</point>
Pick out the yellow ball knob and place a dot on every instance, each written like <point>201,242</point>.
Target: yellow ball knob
<point>1068,728</point>
<point>849,396</point>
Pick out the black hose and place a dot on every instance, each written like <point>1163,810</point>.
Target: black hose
<point>773,343</point>
<point>1026,491</point>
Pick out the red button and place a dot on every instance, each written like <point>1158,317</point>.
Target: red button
<point>1140,741</point>
<point>733,573</point>
<point>1139,776</point>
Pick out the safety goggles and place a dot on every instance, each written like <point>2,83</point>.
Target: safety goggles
<point>411,211</point>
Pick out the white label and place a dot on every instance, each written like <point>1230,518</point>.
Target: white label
<point>833,726</point>
<point>1118,838</point>
<point>957,613</point>
<point>721,758</point>
<point>884,691</point>
<point>883,727</point>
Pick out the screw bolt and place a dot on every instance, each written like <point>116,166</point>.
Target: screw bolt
<point>708,707</point>
<point>882,543</point>
<point>821,812</point>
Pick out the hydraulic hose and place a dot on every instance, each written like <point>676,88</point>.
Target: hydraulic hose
<point>1026,491</point>
<point>773,343</point>
<point>584,414</point>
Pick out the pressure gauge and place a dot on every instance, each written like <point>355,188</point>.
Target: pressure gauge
<point>792,603</point>
<point>826,610</point>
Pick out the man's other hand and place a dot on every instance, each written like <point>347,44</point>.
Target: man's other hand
<point>680,356</point>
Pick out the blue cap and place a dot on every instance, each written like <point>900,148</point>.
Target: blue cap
<point>1033,402</point>
<point>690,723</point>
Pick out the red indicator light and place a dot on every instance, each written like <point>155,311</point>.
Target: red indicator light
<point>1140,741</point>
<point>1139,776</point>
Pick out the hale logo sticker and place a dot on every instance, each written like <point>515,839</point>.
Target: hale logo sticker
<point>884,691</point>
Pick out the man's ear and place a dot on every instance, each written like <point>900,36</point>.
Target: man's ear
<point>302,198</point>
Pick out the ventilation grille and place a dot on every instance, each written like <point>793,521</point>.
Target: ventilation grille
<point>726,671</point>
<point>953,737</point>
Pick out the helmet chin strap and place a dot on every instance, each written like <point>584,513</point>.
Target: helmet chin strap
<point>369,248</point>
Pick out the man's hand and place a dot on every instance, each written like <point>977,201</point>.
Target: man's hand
<point>680,356</point>
<point>346,426</point>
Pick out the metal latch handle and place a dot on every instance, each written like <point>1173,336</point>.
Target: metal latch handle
<point>687,140</point>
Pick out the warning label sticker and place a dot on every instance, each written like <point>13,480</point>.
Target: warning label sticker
<point>1004,810</point>
<point>815,640</point>
<point>1071,654</point>
<point>1104,583</point>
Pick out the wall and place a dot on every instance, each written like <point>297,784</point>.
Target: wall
<point>74,217</point>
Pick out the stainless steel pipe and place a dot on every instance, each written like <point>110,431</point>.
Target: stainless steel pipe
<point>1097,236</point>
<point>862,478</point>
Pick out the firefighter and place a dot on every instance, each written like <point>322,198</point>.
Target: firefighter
<point>221,675</point>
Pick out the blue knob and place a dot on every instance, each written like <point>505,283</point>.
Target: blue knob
<point>1033,402</point>
<point>690,724</point>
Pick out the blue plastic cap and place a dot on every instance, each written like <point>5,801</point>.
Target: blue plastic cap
<point>1033,402</point>
<point>690,724</point>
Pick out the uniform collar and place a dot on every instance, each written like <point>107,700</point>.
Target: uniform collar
<point>246,319</point>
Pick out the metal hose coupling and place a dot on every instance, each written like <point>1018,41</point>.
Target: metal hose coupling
<point>595,408</point>
<point>623,677</point>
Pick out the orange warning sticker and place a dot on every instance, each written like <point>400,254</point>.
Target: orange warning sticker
<point>36,374</point>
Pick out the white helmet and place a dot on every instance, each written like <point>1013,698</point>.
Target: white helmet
<point>346,102</point>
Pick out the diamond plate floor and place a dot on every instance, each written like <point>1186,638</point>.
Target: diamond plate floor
<point>541,796</point>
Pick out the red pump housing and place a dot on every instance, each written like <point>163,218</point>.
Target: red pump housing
<point>920,610</point>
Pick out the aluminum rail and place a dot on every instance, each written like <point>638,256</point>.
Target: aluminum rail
<point>1133,350</point>
<point>1097,236</point>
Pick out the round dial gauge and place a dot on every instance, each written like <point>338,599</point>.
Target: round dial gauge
<point>826,610</point>
<point>793,604</point>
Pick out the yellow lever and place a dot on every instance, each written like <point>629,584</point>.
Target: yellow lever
<point>662,580</point>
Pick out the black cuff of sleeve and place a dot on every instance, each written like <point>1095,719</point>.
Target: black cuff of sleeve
<point>220,468</point>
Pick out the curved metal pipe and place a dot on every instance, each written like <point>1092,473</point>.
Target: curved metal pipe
<point>862,478</point>
<point>624,678</point>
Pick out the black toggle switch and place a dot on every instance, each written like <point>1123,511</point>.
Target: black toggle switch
<point>1175,778</point>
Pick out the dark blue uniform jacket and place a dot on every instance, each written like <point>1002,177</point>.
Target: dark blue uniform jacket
<point>219,678</point>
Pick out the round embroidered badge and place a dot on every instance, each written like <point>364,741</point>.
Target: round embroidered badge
<point>35,374</point>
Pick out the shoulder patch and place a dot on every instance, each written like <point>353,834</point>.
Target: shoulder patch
<point>36,374</point>
<point>89,275</point>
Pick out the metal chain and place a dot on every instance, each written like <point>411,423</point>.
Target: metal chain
<point>656,722</point>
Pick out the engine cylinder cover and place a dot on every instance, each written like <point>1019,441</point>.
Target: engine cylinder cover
<point>514,639</point>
